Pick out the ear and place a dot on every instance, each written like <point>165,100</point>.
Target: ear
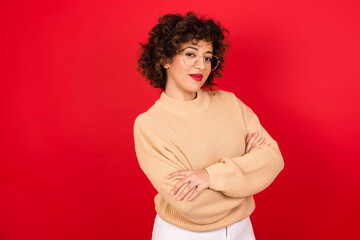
<point>166,66</point>
<point>166,63</point>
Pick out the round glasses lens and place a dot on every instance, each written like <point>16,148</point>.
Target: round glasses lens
<point>191,59</point>
<point>214,63</point>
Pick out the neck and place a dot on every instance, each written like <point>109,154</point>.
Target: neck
<point>190,107</point>
<point>180,96</point>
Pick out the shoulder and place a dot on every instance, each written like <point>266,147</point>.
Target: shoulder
<point>218,93</point>
<point>142,120</point>
<point>143,127</point>
<point>149,123</point>
<point>230,98</point>
<point>149,117</point>
<point>223,95</point>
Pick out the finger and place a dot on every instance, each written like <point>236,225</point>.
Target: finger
<point>250,143</point>
<point>178,173</point>
<point>197,191</point>
<point>248,137</point>
<point>186,190</point>
<point>261,141</point>
<point>179,185</point>
<point>255,137</point>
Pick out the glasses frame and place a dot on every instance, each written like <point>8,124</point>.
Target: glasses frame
<point>198,58</point>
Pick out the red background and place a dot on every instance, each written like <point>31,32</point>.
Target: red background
<point>70,93</point>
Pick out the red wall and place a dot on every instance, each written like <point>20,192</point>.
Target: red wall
<point>70,92</point>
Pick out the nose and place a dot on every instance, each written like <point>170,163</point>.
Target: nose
<point>200,64</point>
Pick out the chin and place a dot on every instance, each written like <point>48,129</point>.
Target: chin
<point>196,88</point>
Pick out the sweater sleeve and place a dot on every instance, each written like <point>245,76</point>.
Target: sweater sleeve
<point>252,172</point>
<point>158,158</point>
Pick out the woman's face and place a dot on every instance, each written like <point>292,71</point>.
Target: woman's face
<point>183,78</point>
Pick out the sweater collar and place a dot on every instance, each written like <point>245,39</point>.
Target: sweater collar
<point>180,107</point>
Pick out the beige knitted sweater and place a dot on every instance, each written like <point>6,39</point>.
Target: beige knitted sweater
<point>209,133</point>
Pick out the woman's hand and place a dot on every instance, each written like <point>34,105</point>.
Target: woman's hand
<point>198,179</point>
<point>250,139</point>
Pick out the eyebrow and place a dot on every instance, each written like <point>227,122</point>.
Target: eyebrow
<point>196,49</point>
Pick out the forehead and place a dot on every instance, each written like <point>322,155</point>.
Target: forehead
<point>201,45</point>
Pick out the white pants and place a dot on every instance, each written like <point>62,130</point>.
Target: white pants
<point>238,231</point>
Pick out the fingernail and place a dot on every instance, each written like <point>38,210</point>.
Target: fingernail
<point>172,192</point>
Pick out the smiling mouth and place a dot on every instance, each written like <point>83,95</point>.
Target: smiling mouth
<point>196,77</point>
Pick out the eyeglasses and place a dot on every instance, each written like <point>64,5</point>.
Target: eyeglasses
<point>191,58</point>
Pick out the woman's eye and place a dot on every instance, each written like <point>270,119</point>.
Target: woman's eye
<point>208,59</point>
<point>189,54</point>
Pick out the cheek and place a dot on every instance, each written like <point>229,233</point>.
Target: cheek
<point>207,75</point>
<point>179,65</point>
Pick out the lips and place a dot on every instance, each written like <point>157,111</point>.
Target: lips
<point>196,77</point>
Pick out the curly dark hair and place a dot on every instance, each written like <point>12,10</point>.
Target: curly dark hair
<point>164,43</point>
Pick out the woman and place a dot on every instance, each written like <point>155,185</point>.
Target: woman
<point>205,152</point>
